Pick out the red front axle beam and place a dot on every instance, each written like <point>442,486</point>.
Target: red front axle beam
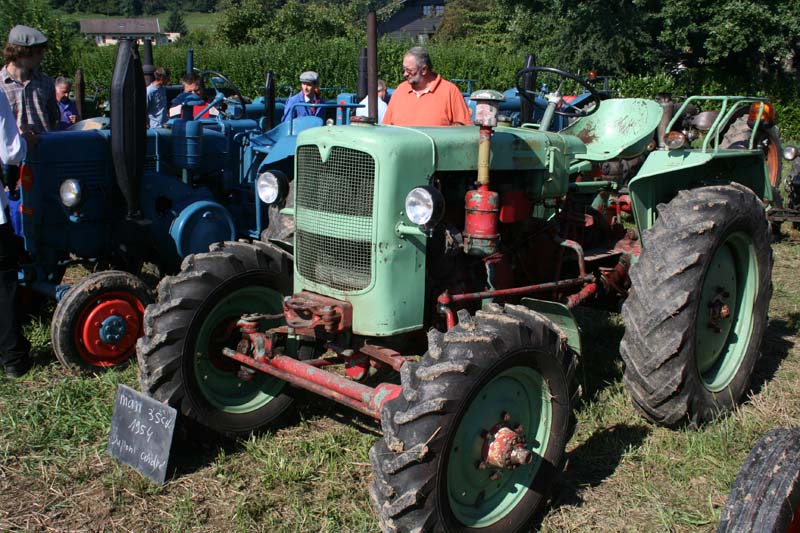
<point>362,398</point>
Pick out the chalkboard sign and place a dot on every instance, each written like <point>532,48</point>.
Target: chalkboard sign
<point>141,433</point>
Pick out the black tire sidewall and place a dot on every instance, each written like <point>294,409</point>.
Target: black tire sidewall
<point>72,305</point>
<point>201,410</point>
<point>552,372</point>
<point>708,402</point>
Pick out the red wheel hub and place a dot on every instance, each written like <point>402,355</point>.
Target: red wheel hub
<point>107,328</point>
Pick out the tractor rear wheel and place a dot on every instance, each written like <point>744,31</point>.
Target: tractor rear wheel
<point>737,135</point>
<point>505,373</point>
<point>180,356</point>
<point>97,322</point>
<point>697,310</point>
<point>766,493</point>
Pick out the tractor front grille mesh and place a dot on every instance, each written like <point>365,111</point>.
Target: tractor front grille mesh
<point>333,215</point>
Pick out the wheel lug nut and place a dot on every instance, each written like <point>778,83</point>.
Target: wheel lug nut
<point>495,476</point>
<point>506,416</point>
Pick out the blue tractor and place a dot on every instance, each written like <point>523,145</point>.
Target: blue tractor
<point>115,198</point>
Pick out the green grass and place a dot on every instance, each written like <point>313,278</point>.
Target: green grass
<point>312,475</point>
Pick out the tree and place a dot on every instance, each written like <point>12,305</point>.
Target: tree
<point>175,23</point>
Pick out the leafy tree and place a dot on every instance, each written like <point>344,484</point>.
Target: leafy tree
<point>175,23</point>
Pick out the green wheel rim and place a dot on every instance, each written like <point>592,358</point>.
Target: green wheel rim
<point>476,500</point>
<point>722,342</point>
<point>216,376</point>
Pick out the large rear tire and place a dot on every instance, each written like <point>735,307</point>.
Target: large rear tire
<point>97,322</point>
<point>697,310</point>
<point>507,366</point>
<point>765,496</point>
<point>180,359</point>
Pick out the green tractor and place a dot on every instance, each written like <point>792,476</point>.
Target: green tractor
<point>470,246</point>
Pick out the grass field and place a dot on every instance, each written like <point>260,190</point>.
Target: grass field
<point>312,475</point>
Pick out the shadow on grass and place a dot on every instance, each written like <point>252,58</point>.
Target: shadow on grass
<point>778,342</point>
<point>195,447</point>
<point>601,364</point>
<point>595,460</point>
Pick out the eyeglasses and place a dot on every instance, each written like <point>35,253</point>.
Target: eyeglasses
<point>411,71</point>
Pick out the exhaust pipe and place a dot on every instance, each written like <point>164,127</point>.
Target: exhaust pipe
<point>269,101</point>
<point>147,62</point>
<point>528,84</point>
<point>128,124</point>
<point>362,88</point>
<point>372,65</point>
<point>80,92</point>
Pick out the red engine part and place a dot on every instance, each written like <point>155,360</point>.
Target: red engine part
<point>514,207</point>
<point>480,222</point>
<point>305,311</point>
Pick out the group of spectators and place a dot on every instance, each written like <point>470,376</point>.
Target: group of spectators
<point>423,99</point>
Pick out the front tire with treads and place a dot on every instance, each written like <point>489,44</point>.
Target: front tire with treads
<point>505,364</point>
<point>180,359</point>
<point>697,310</point>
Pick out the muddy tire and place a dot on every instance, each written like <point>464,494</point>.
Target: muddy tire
<point>765,496</point>
<point>180,360</point>
<point>697,310</point>
<point>97,322</point>
<point>504,360</point>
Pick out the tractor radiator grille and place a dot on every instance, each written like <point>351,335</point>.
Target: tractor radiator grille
<point>333,216</point>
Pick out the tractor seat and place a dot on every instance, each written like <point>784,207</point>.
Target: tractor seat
<point>620,128</point>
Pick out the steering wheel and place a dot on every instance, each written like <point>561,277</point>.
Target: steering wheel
<point>563,108</point>
<point>236,98</point>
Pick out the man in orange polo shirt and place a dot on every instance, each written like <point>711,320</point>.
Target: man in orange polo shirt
<point>425,99</point>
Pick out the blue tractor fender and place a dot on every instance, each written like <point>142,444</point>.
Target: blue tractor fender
<point>199,225</point>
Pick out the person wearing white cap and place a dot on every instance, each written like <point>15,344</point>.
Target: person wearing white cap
<point>30,92</point>
<point>309,94</point>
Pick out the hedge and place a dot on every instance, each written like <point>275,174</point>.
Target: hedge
<point>337,63</point>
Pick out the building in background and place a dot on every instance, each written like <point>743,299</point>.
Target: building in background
<point>108,31</point>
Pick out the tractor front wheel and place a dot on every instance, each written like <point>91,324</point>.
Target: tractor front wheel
<point>478,435</point>
<point>697,310</point>
<point>180,356</point>
<point>766,493</point>
<point>97,322</point>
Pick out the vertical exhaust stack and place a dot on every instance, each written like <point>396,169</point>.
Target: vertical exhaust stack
<point>80,92</point>
<point>269,101</point>
<point>372,65</point>
<point>362,89</point>
<point>528,84</point>
<point>147,62</point>
<point>128,124</point>
<point>189,61</point>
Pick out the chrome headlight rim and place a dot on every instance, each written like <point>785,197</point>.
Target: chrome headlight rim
<point>790,153</point>
<point>424,206</point>
<point>272,186</point>
<point>70,193</point>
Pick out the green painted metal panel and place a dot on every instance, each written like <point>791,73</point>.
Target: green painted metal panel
<point>393,300</point>
<point>561,317</point>
<point>621,127</point>
<point>665,172</point>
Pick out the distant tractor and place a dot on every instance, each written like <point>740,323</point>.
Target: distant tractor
<point>471,246</point>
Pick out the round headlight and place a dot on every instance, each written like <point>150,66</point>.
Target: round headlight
<point>675,140</point>
<point>425,206</point>
<point>790,153</point>
<point>272,186</point>
<point>70,192</point>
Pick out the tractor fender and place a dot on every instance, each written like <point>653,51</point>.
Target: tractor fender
<point>562,319</point>
<point>199,225</point>
<point>665,172</point>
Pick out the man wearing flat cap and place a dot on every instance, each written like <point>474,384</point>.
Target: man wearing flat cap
<point>309,94</point>
<point>30,92</point>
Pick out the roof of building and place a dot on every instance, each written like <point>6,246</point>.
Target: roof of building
<point>120,26</point>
